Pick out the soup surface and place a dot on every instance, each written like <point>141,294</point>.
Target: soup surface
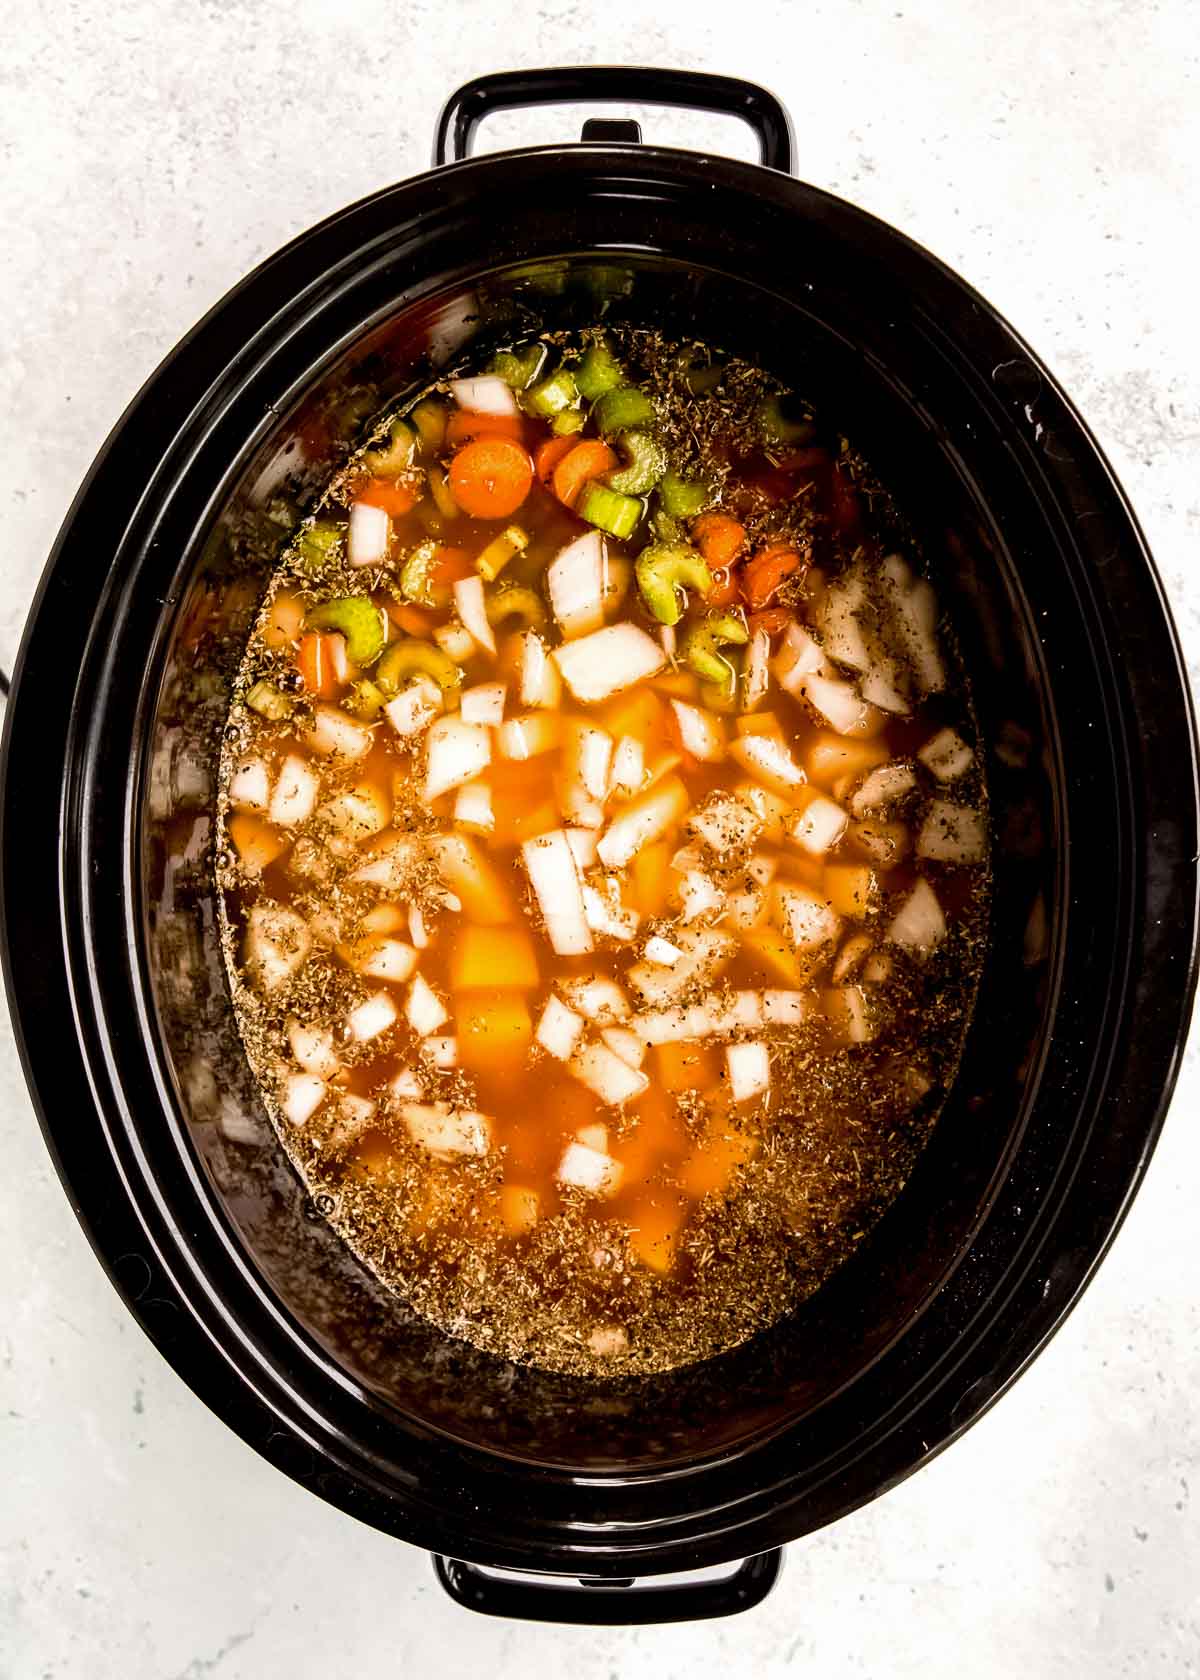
<point>604,852</point>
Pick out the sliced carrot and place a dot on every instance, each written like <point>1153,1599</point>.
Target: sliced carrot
<point>412,620</point>
<point>450,564</point>
<point>771,619</point>
<point>724,591</point>
<point>383,493</point>
<point>763,575</point>
<point>491,477</point>
<point>719,538</point>
<point>462,426</point>
<point>549,454</point>
<point>587,460</point>
<point>315,663</point>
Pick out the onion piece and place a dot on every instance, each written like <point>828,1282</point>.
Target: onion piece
<point>468,599</point>
<point>786,1009</point>
<point>250,785</point>
<point>699,896</point>
<point>606,1075</point>
<point>418,933</point>
<point>456,641</point>
<point>423,1008</point>
<point>589,1169</point>
<point>882,786</point>
<point>749,1068</point>
<point>625,1044</point>
<point>484,395</point>
<point>770,808</point>
<point>456,752</point>
<point>645,819</point>
<point>550,865</point>
<point>558,1029</point>
<point>376,957</point>
<point>607,661</point>
<point>837,620</point>
<point>952,834</point>
<point>407,1084</point>
<point>605,912</point>
<point>473,808</point>
<point>725,823</point>
<point>313,1048</point>
<point>756,678</point>
<point>848,1012</point>
<point>369,535</point>
<point>845,711</point>
<point>303,1094</point>
<point>336,735</point>
<point>769,761</point>
<point>540,682</point>
<point>442,1051</point>
<point>295,795</point>
<point>661,952</point>
<point>705,951</point>
<point>483,704</point>
<point>808,921</point>
<point>447,1132</point>
<point>701,733</point>
<point>945,755</point>
<point>371,1017</point>
<point>278,943</point>
<point>819,826</point>
<point>415,708</point>
<point>587,757</point>
<point>575,579</point>
<point>919,925</point>
<point>582,842</point>
<point>628,766</point>
<point>357,814</point>
<point>522,738</point>
<point>914,612</point>
<point>597,997</point>
<point>797,657</point>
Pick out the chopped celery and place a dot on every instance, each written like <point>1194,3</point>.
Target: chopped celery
<point>644,460</point>
<point>518,368</point>
<point>318,545</point>
<point>778,426</point>
<point>412,658</point>
<point>389,458</point>
<point>665,528</point>
<point>515,600</point>
<point>551,396</point>
<point>682,498</point>
<point>429,418</point>
<point>500,551</point>
<point>623,409</point>
<point>700,646</point>
<point>416,579</point>
<point>443,496</point>
<point>702,377</point>
<point>664,571</point>
<point>598,372</point>
<point>608,509</point>
<point>365,700</point>
<point>358,619</point>
<point>570,420</point>
<point>269,702</point>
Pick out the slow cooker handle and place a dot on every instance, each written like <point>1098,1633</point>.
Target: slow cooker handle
<point>593,1602</point>
<point>630,84</point>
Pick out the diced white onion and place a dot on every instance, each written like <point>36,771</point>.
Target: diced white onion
<point>606,914</point>
<point>522,738</point>
<point>418,933</point>
<point>952,834</point>
<point>589,1169</point>
<point>371,1017</point>
<point>725,823</point>
<point>805,917</point>
<point>756,677</point>
<point>335,735</point>
<point>786,1009</point>
<point>819,826</point>
<point>473,808</point>
<point>881,787</point>
<point>483,704</point>
<point>369,535</point>
<point>456,752</point>
<point>846,1007</point>
<point>919,924</point>
<point>702,734</point>
<point>303,1094</point>
<point>625,1044</point>
<point>769,761</point>
<point>845,711</point>
<point>441,1050</point>
<point>643,820</point>
<point>468,598</point>
<point>558,1029</point>
<point>376,957</point>
<point>358,813</point>
<point>295,795</point>
<point>705,951</point>
<point>541,684</point>
<point>914,612</point>
<point>597,997</point>
<point>606,1075</point>
<point>770,808</point>
<point>595,1136</point>
<point>797,656</point>
<point>455,640</point>
<point>313,1048</point>
<point>391,864</point>
<point>250,786</point>
<point>550,865</point>
<point>946,755</point>
<point>699,895</point>
<point>575,580</point>
<point>278,942</point>
<point>445,1131</point>
<point>582,842</point>
<point>608,661</point>
<point>662,952</point>
<point>423,1008</point>
<point>415,708</point>
<point>749,1070</point>
<point>588,758</point>
<point>837,619</point>
<point>406,1085</point>
<point>484,395</point>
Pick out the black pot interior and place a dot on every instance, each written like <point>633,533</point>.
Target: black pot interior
<point>912,405</point>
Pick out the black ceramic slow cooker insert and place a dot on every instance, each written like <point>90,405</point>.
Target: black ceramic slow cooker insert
<point>117,988</point>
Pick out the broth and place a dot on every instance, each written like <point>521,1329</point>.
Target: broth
<point>603,860</point>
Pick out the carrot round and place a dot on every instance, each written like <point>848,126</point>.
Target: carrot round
<point>724,591</point>
<point>414,621</point>
<point>719,538</point>
<point>549,455</point>
<point>770,619</point>
<point>587,460</point>
<point>491,477</point>
<point>392,498</point>
<point>763,575</point>
<point>450,564</point>
<point>463,425</point>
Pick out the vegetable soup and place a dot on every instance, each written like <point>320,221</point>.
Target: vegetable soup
<point>604,849</point>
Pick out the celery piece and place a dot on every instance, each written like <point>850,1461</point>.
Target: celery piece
<point>411,657</point>
<point>269,702</point>
<point>492,561</point>
<point>682,498</point>
<point>702,377</point>
<point>701,642</point>
<point>665,528</point>
<point>597,372</point>
<point>443,496</point>
<point>518,368</point>
<point>778,426</point>
<point>569,421</point>
<point>643,462</point>
<point>515,600</point>
<point>365,700</point>
<point>389,458</point>
<point>608,509</point>
<point>358,619</point>
<point>623,409</point>
<point>429,418</point>
<point>319,544</point>
<point>416,578</point>
<point>553,395</point>
<point>664,571</point>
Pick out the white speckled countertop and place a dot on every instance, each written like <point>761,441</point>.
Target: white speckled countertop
<point>153,153</point>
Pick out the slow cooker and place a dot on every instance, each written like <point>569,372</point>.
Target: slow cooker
<point>541,1495</point>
